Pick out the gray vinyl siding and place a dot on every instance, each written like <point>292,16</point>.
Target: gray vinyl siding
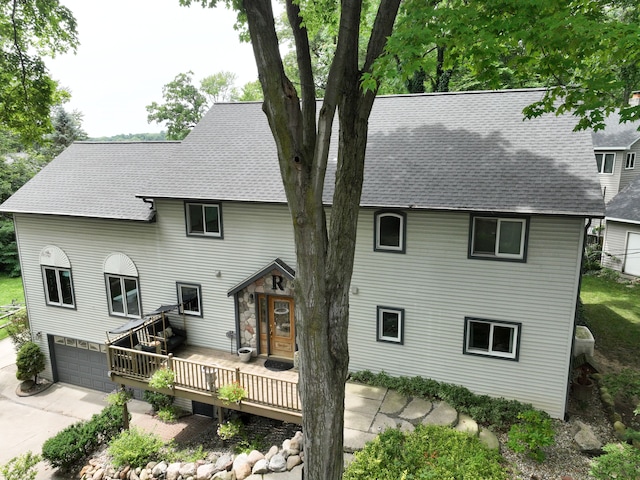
<point>615,243</point>
<point>610,182</point>
<point>628,175</point>
<point>438,286</point>
<point>433,281</point>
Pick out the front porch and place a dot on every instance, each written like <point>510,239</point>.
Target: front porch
<point>199,372</point>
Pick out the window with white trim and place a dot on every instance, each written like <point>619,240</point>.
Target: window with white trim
<point>204,219</point>
<point>58,286</point>
<point>123,296</point>
<point>389,234</point>
<point>491,338</point>
<point>630,162</point>
<point>390,325</point>
<point>498,238</point>
<point>605,162</point>
<point>189,298</point>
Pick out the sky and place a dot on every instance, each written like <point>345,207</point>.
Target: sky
<point>129,49</point>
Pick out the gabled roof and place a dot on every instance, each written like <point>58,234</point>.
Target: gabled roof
<point>625,206</point>
<point>616,135</point>
<point>277,264</point>
<point>467,151</point>
<point>95,179</point>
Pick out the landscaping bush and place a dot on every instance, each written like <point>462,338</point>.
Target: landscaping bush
<point>30,362</point>
<point>429,452</point>
<point>21,467</point>
<point>619,461</point>
<point>157,400</point>
<point>18,329</point>
<point>135,448</point>
<point>79,440</point>
<point>531,434</point>
<point>498,412</point>
<point>169,414</point>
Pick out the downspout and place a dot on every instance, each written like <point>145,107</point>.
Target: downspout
<point>575,317</point>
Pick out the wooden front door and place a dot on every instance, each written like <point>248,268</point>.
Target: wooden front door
<point>277,329</point>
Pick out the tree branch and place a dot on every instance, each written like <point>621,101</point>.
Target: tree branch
<point>16,44</point>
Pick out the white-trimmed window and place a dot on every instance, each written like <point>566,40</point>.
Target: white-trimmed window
<point>58,286</point>
<point>390,325</point>
<point>605,162</point>
<point>124,299</point>
<point>56,276</point>
<point>630,162</point>
<point>204,219</point>
<point>498,238</point>
<point>121,277</point>
<point>189,296</point>
<point>492,338</point>
<point>389,234</point>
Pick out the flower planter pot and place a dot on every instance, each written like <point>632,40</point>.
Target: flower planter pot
<point>583,390</point>
<point>245,354</point>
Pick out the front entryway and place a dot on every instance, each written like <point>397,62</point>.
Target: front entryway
<point>277,326</point>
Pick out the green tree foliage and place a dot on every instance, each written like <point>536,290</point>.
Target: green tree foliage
<point>22,467</point>
<point>30,362</point>
<point>29,31</point>
<point>218,87</point>
<point>183,107</point>
<point>250,92</point>
<point>67,128</point>
<point>132,137</point>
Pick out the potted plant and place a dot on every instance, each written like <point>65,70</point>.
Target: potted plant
<point>582,381</point>
<point>232,392</point>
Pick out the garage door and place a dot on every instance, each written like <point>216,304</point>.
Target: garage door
<point>632,257</point>
<point>81,363</point>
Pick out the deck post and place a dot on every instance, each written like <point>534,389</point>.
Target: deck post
<point>170,367</point>
<point>238,375</point>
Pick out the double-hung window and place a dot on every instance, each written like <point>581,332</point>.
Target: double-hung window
<point>605,162</point>
<point>59,287</point>
<point>390,325</point>
<point>630,163</point>
<point>491,338</point>
<point>204,219</point>
<point>498,238</point>
<point>123,296</point>
<point>390,232</point>
<point>189,299</point>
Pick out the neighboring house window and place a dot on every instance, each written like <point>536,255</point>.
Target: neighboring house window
<point>59,288</point>
<point>390,228</point>
<point>605,162</point>
<point>124,299</point>
<point>204,219</point>
<point>631,161</point>
<point>491,338</point>
<point>123,294</point>
<point>56,275</point>
<point>498,238</point>
<point>189,299</point>
<point>390,325</point>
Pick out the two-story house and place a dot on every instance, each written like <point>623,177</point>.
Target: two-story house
<point>468,253</point>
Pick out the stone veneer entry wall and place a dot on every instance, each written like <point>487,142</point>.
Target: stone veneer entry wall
<point>247,310</point>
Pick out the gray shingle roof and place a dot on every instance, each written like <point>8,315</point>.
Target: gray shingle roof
<point>457,151</point>
<point>95,179</point>
<point>626,204</point>
<point>616,135</point>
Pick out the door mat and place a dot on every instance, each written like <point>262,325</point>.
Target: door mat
<point>277,366</point>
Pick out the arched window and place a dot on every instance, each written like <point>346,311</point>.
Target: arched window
<point>121,276</point>
<point>389,234</point>
<point>56,274</point>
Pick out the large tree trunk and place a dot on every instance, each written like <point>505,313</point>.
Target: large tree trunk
<point>324,254</point>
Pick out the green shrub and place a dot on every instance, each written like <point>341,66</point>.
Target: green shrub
<point>498,412</point>
<point>135,448</point>
<point>19,330</point>
<point>626,383</point>
<point>157,400</point>
<point>231,393</point>
<point>619,461</point>
<point>169,413</point>
<point>79,440</point>
<point>531,434</point>
<point>230,429</point>
<point>30,362</point>
<point>162,378</point>
<point>21,467</point>
<point>591,259</point>
<point>429,452</point>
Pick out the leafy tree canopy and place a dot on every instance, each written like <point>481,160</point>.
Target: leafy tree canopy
<point>29,31</point>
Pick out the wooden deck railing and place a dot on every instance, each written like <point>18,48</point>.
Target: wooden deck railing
<point>205,379</point>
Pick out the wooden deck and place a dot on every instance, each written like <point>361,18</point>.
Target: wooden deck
<point>199,372</point>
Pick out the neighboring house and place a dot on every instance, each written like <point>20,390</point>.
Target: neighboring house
<point>621,247</point>
<point>467,262</point>
<point>617,150</point>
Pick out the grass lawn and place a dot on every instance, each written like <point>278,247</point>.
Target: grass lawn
<point>612,313</point>
<point>11,289</point>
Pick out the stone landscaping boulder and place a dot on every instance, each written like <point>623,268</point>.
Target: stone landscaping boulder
<point>188,470</point>
<point>172,472</point>
<point>278,463</point>
<point>261,467</point>
<point>206,471</point>
<point>293,461</point>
